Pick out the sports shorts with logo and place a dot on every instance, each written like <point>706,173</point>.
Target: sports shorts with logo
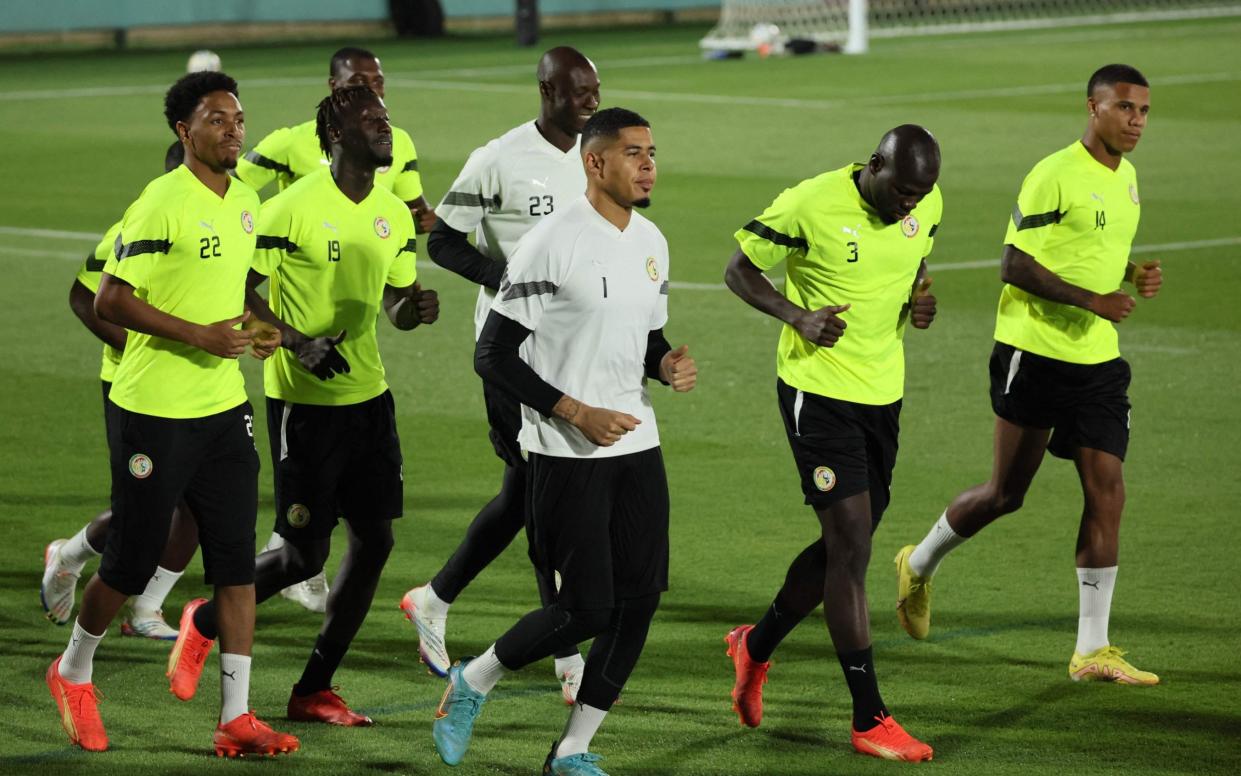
<point>841,448</point>
<point>1085,405</point>
<point>209,462</point>
<point>599,526</point>
<point>332,462</point>
<point>504,417</point>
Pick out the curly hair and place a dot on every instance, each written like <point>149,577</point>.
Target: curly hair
<point>332,109</point>
<point>184,95</point>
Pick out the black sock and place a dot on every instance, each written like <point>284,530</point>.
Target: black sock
<point>204,620</point>
<point>859,668</point>
<point>764,637</point>
<point>322,665</point>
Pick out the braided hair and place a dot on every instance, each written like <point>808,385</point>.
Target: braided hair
<point>332,109</point>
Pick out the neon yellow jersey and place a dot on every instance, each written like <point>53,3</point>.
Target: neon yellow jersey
<point>186,252</point>
<point>1076,217</point>
<point>88,276</point>
<point>328,259</point>
<point>838,251</point>
<point>293,152</point>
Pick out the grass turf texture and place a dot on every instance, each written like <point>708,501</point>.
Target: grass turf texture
<point>989,688</point>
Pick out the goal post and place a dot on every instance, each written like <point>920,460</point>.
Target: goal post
<point>851,24</point>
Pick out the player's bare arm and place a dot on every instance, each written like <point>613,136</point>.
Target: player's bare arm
<point>1146,277</point>
<point>1022,270</point>
<point>317,354</point>
<point>424,214</point>
<point>822,327</point>
<point>82,302</point>
<point>922,301</point>
<point>115,302</point>
<point>411,306</point>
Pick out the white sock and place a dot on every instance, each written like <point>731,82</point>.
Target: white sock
<point>158,588</point>
<point>583,722</point>
<point>234,686</point>
<point>77,662</point>
<point>1094,590</point>
<point>436,606</point>
<point>75,552</point>
<point>274,543</point>
<point>925,559</point>
<point>483,672</point>
<point>565,664</point>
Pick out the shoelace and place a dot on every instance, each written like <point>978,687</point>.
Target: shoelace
<point>317,584</point>
<point>79,695</point>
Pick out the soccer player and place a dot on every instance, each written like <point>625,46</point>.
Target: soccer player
<point>292,152</point>
<point>506,187</point>
<point>585,300</point>
<point>337,248</point>
<point>64,559</point>
<point>180,424</point>
<point>854,242</point>
<point>1058,383</point>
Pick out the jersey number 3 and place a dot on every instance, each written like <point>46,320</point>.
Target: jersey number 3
<point>541,205</point>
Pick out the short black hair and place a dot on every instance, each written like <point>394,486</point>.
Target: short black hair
<point>332,108</point>
<point>174,156</point>
<point>184,95</point>
<point>608,123</point>
<point>1109,75</point>
<point>344,55</point>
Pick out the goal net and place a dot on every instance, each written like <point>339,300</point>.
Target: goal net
<point>751,24</point>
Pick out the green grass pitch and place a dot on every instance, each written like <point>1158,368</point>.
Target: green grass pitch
<point>82,133</point>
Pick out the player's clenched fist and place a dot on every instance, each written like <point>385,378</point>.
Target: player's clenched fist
<point>677,369</point>
<point>823,326</point>
<point>601,426</point>
<point>223,339</point>
<point>1115,306</point>
<point>1147,278</point>
<point>266,338</point>
<point>427,304</point>
<point>922,306</point>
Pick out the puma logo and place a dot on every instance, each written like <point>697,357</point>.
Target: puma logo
<point>1095,585</point>
<point>230,674</point>
<point>861,668</point>
<point>207,225</point>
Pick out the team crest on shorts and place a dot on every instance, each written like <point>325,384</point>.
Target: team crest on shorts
<point>1133,193</point>
<point>247,222</point>
<point>140,466</point>
<point>652,268</point>
<point>298,516</point>
<point>909,226</point>
<point>824,479</point>
<point>381,227</point>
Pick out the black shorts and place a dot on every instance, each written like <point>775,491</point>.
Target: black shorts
<point>1085,405</point>
<point>107,389</point>
<point>599,526</point>
<point>504,417</point>
<point>209,462</point>
<point>841,448</point>
<point>332,462</point>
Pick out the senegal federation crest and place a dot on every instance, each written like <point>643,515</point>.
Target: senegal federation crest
<point>652,268</point>
<point>381,227</point>
<point>909,226</point>
<point>247,222</point>
<point>824,479</point>
<point>298,516</point>
<point>1133,193</point>
<point>140,466</point>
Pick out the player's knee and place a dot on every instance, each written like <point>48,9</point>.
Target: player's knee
<point>300,563</point>
<point>1006,501</point>
<point>587,623</point>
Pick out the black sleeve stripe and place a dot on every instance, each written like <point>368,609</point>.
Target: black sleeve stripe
<point>663,288</point>
<point>934,229</point>
<point>532,288</point>
<point>767,233</point>
<point>93,264</point>
<point>254,157</point>
<point>267,243</point>
<point>411,245</point>
<point>410,166</point>
<point>139,247</point>
<point>1035,221</point>
<point>464,198</point>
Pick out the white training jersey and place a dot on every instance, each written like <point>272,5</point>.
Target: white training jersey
<point>591,293</point>
<point>505,188</point>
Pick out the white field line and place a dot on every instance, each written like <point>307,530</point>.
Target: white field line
<point>56,234</point>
